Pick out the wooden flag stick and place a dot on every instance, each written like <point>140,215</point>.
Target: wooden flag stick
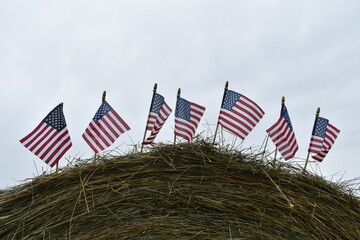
<point>152,102</point>
<point>178,95</point>
<point>265,146</point>
<point>282,104</point>
<point>217,125</point>
<point>103,99</point>
<point>308,155</point>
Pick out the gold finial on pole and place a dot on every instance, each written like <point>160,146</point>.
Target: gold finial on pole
<point>155,87</point>
<point>308,155</point>
<point>104,96</point>
<point>226,85</point>
<point>283,100</point>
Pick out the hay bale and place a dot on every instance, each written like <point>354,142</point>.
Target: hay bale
<point>189,192</point>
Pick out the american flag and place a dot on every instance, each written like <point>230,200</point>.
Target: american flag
<point>50,140</point>
<point>283,136</point>
<point>239,114</point>
<point>159,112</point>
<point>187,118</point>
<point>323,137</point>
<point>105,128</point>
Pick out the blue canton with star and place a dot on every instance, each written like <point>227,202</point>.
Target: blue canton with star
<point>230,99</point>
<point>157,104</point>
<point>56,118</point>
<point>182,109</point>
<point>103,110</point>
<point>285,114</point>
<point>320,127</point>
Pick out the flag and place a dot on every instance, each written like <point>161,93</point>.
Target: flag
<point>187,118</point>
<point>323,137</point>
<point>159,112</point>
<point>105,128</point>
<point>50,140</point>
<point>239,114</point>
<point>283,136</point>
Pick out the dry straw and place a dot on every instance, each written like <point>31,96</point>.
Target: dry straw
<point>191,191</point>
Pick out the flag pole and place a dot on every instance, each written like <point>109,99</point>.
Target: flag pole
<point>178,95</point>
<point>266,142</point>
<point>217,125</point>
<point>282,104</point>
<point>57,163</point>
<point>103,99</point>
<point>152,102</point>
<point>308,155</point>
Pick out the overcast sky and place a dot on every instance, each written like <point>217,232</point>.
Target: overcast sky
<point>70,51</point>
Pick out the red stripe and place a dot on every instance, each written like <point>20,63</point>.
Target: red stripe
<point>88,141</point>
<point>243,103</point>
<point>289,140</point>
<point>44,144</point>
<point>179,124</point>
<point>269,130</point>
<point>161,118</point>
<point>102,124</point>
<point>95,139</point>
<point>237,121</point>
<point>100,135</point>
<point>35,138</point>
<point>280,131</point>
<point>224,122</point>
<point>186,137</point>
<point>57,150</point>
<point>111,129</point>
<point>51,147</point>
<point>261,113</point>
<point>123,123</point>
<point>32,133</point>
<point>198,106</point>
<point>39,141</point>
<point>116,125</point>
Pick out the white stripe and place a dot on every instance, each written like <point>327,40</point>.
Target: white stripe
<point>287,143</point>
<point>197,109</point>
<point>48,129</point>
<point>101,132</point>
<point>252,119</point>
<point>51,131</point>
<point>257,109</point>
<point>56,145</point>
<point>85,135</point>
<point>184,126</point>
<point>239,124</point>
<point>282,137</point>
<point>105,120</point>
<point>60,151</point>
<point>117,121</point>
<point>244,121</point>
<point>51,142</point>
<point>224,124</point>
<point>43,125</point>
<point>183,133</point>
<point>96,136</point>
<point>273,133</point>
